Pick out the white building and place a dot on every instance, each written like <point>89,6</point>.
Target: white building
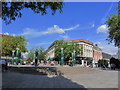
<point>86,46</point>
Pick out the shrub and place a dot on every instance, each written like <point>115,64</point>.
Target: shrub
<point>115,61</point>
<point>102,63</point>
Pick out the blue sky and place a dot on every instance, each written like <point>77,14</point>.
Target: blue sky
<point>79,20</point>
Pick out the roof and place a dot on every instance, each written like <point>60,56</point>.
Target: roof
<point>2,35</point>
<point>79,40</point>
<point>97,48</point>
<point>82,40</point>
<point>106,55</point>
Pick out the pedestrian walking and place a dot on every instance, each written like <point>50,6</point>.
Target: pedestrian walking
<point>3,63</point>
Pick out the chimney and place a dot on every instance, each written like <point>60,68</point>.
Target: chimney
<point>96,45</point>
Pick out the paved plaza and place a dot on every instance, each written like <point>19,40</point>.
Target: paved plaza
<point>73,77</point>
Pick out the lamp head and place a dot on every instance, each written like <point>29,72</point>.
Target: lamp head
<point>13,50</point>
<point>17,48</point>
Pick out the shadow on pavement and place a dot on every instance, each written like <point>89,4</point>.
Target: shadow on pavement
<point>36,70</point>
<point>20,80</point>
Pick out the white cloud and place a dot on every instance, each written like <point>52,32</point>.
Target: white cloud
<point>13,35</point>
<point>93,25</point>
<point>102,29</point>
<point>64,36</point>
<point>6,33</point>
<point>72,28</point>
<point>30,32</point>
<point>55,29</point>
<point>108,48</point>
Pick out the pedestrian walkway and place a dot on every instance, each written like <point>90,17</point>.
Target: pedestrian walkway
<point>18,80</point>
<point>73,77</point>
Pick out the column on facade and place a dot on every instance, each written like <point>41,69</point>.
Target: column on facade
<point>82,62</point>
<point>86,63</point>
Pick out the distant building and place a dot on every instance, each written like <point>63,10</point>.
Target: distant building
<point>87,47</point>
<point>97,53</point>
<point>115,56</point>
<point>89,50</point>
<point>106,56</point>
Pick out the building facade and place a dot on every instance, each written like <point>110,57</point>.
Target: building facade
<point>89,50</point>
<point>87,47</point>
<point>97,53</point>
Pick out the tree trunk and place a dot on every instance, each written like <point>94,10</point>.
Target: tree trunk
<point>119,52</point>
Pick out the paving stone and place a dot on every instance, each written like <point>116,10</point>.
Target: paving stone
<point>77,77</point>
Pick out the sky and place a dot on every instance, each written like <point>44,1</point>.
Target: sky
<point>79,20</point>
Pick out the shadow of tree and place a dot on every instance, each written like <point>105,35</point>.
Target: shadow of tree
<point>37,70</point>
<point>19,80</point>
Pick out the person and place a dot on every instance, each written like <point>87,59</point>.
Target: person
<point>3,62</point>
<point>44,62</point>
<point>113,66</point>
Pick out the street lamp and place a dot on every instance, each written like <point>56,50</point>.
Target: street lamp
<point>36,57</point>
<point>62,57</point>
<point>21,58</point>
<point>74,57</point>
<point>13,57</point>
<point>17,56</point>
<point>49,60</point>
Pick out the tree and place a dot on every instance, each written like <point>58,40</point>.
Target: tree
<point>114,29</point>
<point>31,55</point>
<point>41,54</point>
<point>68,48</point>
<point>103,63</point>
<point>115,61</point>
<point>12,10</point>
<point>10,43</point>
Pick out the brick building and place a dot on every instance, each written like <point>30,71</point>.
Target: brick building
<point>97,53</point>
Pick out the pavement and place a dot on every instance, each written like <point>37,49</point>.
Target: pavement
<point>73,77</point>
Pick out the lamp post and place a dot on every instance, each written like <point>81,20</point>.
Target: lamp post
<point>36,57</point>
<point>17,56</point>
<point>74,57</point>
<point>62,57</point>
<point>13,51</point>
<point>49,60</point>
<point>21,59</point>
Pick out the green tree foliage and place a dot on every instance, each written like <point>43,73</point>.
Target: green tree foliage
<point>115,61</point>
<point>102,63</point>
<point>12,10</point>
<point>68,49</point>
<point>114,27</point>
<point>31,55</point>
<point>10,43</point>
<point>41,54</point>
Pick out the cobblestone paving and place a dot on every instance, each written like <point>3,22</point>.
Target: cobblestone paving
<point>76,77</point>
